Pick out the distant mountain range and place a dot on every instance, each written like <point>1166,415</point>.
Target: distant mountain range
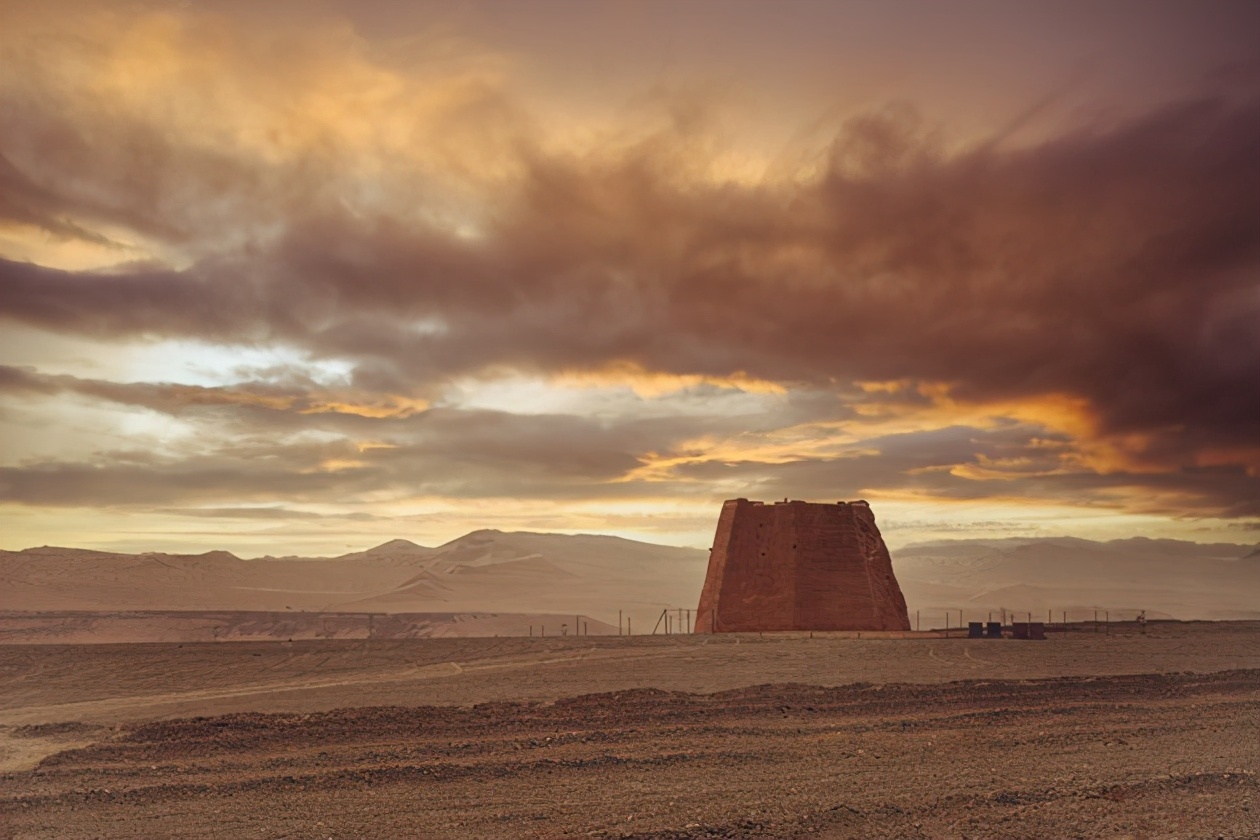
<point>1165,578</point>
<point>493,571</point>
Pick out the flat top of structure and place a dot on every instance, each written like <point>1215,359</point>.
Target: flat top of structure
<point>862,502</point>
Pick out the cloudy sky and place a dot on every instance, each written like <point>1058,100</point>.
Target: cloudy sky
<point>299,277</point>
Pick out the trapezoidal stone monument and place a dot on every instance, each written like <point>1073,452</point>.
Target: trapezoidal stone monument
<point>799,566</point>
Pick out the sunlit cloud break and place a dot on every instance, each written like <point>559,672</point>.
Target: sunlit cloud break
<point>391,271</point>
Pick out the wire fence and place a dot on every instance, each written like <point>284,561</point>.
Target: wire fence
<point>672,621</point>
<point>954,618</point>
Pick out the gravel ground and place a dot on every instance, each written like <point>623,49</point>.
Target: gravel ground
<point>1112,755</point>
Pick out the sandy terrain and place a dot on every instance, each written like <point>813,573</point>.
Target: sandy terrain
<point>29,628</point>
<point>733,736</point>
<point>492,571</point>
<point>482,572</point>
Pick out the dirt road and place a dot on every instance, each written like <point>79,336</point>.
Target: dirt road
<point>1083,737</point>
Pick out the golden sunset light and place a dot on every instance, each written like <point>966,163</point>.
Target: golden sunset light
<point>300,276</point>
<point>640,419</point>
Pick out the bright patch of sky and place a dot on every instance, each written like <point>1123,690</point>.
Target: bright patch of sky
<point>179,362</point>
<point>66,427</point>
<point>198,363</point>
<point>522,394</point>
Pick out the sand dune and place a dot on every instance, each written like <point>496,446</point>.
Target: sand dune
<point>1166,578</point>
<point>497,572</point>
<point>485,571</point>
<point>67,628</point>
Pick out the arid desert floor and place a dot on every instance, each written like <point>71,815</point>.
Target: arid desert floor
<point>1082,735</point>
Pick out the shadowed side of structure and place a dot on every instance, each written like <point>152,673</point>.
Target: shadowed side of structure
<point>799,566</point>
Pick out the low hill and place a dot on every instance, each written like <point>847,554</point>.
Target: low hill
<point>503,572</point>
<point>485,571</point>
<point>1166,578</point>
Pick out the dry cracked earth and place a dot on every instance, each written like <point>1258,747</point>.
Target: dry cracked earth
<point>1083,736</point>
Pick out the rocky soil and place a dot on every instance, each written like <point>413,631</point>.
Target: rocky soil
<point>1116,755</point>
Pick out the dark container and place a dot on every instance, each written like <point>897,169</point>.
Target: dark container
<point>1028,630</point>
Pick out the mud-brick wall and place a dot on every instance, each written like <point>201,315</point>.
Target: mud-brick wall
<point>799,566</point>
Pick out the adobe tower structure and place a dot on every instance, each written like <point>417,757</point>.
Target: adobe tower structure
<point>799,566</point>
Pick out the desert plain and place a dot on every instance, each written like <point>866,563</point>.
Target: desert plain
<point>1110,732</point>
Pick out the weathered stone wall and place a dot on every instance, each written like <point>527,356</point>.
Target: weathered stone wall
<point>799,566</point>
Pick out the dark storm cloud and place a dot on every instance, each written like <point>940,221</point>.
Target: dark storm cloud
<point>460,453</point>
<point>123,480</point>
<point>25,202</point>
<point>162,397</point>
<point>1115,263</point>
<point>973,465</point>
<point>918,461</point>
<point>480,455</point>
<point>572,445</point>
<point>202,303</point>
<point>250,443</point>
<point>306,473</point>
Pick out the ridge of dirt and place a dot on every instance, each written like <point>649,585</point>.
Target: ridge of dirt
<point>1158,755</point>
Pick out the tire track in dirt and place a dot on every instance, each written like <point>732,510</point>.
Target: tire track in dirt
<point>776,760</point>
<point>106,708</point>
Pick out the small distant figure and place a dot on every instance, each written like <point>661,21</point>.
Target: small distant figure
<point>1141,620</point>
<point>564,629</point>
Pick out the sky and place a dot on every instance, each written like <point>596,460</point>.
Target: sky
<point>301,277</point>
